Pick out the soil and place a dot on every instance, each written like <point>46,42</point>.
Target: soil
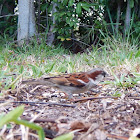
<point>112,115</point>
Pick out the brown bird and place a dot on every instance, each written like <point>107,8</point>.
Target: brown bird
<point>73,83</point>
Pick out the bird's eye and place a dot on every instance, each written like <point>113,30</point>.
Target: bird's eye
<point>104,73</point>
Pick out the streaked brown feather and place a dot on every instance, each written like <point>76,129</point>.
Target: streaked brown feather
<point>72,83</point>
<point>94,75</point>
<point>69,79</point>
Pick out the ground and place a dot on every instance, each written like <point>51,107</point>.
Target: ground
<point>112,113</point>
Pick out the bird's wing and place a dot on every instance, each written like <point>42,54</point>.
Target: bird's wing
<point>32,81</point>
<point>75,79</point>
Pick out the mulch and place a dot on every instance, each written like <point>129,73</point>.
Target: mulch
<point>95,115</point>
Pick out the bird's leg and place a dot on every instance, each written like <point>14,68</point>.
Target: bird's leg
<point>69,96</point>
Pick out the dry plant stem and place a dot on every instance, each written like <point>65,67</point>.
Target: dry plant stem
<point>135,98</point>
<point>3,130</point>
<point>34,103</point>
<point>37,120</point>
<point>36,116</point>
<point>88,106</point>
<point>19,134</point>
<point>94,98</point>
<point>93,127</point>
<point>117,137</point>
<point>35,88</point>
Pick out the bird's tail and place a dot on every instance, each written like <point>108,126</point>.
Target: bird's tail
<point>34,82</point>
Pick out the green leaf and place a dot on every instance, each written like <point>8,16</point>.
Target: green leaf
<point>121,78</point>
<point>59,37</point>
<point>65,2</point>
<point>71,24</point>
<point>130,55</point>
<point>131,3</point>
<point>69,14</point>
<point>11,116</point>
<point>51,66</point>
<point>62,39</point>
<point>61,6</point>
<point>32,126</point>
<point>21,69</point>
<point>34,69</point>
<point>137,54</point>
<point>68,136</point>
<point>61,14</point>
<point>15,80</point>
<point>49,8</point>
<point>70,3</point>
<point>86,4</point>
<point>86,8</point>
<point>67,20</point>
<point>68,39</point>
<point>116,78</point>
<point>44,6</point>
<point>55,1</point>
<point>78,8</point>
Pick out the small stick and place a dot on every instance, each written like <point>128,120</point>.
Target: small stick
<point>106,97</point>
<point>34,103</point>
<point>38,120</point>
<point>117,137</point>
<point>93,98</point>
<point>135,98</point>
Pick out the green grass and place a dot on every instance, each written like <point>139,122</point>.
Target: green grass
<point>37,59</point>
<point>124,81</point>
<point>117,57</point>
<point>13,116</point>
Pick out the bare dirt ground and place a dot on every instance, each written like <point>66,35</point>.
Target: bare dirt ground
<point>102,118</point>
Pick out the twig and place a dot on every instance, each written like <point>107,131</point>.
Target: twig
<point>35,88</point>
<point>117,137</point>
<point>10,15</point>
<point>34,103</point>
<point>106,97</point>
<point>38,120</point>
<point>80,42</point>
<point>41,25</point>
<point>93,98</point>
<point>135,98</point>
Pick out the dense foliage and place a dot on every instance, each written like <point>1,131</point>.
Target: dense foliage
<point>78,23</point>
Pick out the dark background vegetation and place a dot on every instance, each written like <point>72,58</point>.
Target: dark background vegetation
<point>78,24</point>
<point>108,32</point>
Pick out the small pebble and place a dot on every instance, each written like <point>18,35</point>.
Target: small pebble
<point>76,95</point>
